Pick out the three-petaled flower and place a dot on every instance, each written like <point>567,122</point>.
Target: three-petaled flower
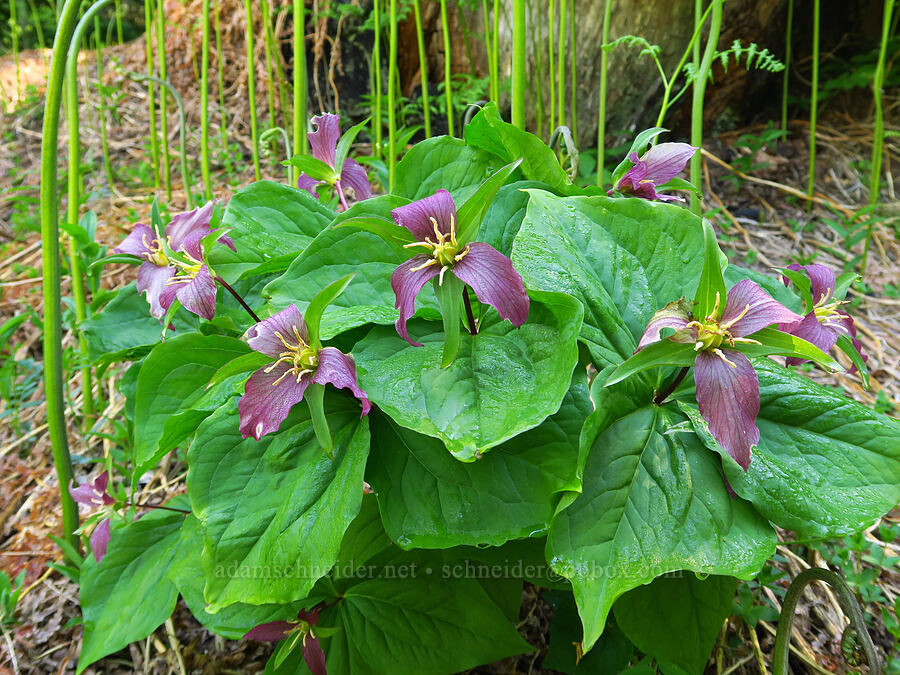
<point>824,323</point>
<point>655,168</point>
<point>273,390</point>
<point>299,630</point>
<point>93,493</point>
<point>324,141</point>
<point>488,272</point>
<point>174,266</point>
<point>727,385</point>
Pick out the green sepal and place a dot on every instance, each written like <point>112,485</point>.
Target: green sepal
<point>315,399</point>
<point>343,146</point>
<point>390,232</point>
<point>640,141</point>
<point>285,648</point>
<point>156,219</point>
<point>170,314</point>
<point>678,184</point>
<point>778,343</point>
<point>654,355</point>
<point>209,240</point>
<point>711,281</point>
<point>449,296</point>
<point>843,284</point>
<point>314,168</point>
<point>318,305</point>
<point>471,214</point>
<point>802,285</point>
<point>125,258</point>
<point>242,364</point>
<point>845,344</point>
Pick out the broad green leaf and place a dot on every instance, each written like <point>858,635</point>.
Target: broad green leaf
<point>173,377</point>
<point>314,168</point>
<point>654,355</point>
<point>825,466</point>
<point>124,330</point>
<point>269,220</point>
<point>239,365</point>
<point>504,380</point>
<point>346,141</point>
<point>653,502</point>
<point>623,259</point>
<point>769,283</point>
<point>430,500</point>
<point>504,216</point>
<point>441,162</point>
<point>472,212</point>
<point>711,294</point>
<point>487,131</point>
<point>127,595</point>
<point>776,342</point>
<point>676,619</point>
<point>273,511</point>
<point>319,303</point>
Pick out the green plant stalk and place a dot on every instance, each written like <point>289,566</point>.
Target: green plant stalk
<point>269,133</point>
<point>573,71</point>
<point>878,136</point>
<point>53,354</point>
<point>163,100</point>
<point>536,39</point>
<point>280,77</point>
<point>268,39</point>
<point>423,66</point>
<point>813,104</point>
<point>467,45</point>
<point>251,91</point>
<point>488,52</point>
<point>699,89</point>
<point>561,63</point>
<point>376,76</point>
<point>551,12</point>
<point>604,73</point>
<point>495,54</point>
<point>787,63</point>
<point>299,83</point>
<point>848,603</point>
<point>220,67</point>
<point>14,32</point>
<point>38,28</point>
<point>204,101</point>
<point>101,96</point>
<point>151,93</point>
<point>392,93</point>
<point>120,35</point>
<point>448,88</point>
<point>518,64</point>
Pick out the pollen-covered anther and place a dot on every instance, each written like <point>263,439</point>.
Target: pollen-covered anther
<point>155,252</point>
<point>721,355</point>
<point>303,358</point>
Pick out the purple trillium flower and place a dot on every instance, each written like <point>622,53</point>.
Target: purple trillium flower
<point>727,386</point>
<point>656,167</point>
<point>824,323</point>
<point>302,630</point>
<point>164,277</point>
<point>272,391</point>
<point>324,141</point>
<point>93,493</point>
<point>491,274</point>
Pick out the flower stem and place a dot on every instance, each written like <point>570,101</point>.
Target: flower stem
<point>340,191</point>
<point>473,326</point>
<point>518,64</point>
<point>238,298</point>
<point>157,506</point>
<point>315,399</point>
<point>661,396</point>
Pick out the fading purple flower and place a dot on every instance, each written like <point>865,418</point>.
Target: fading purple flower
<point>272,391</point>
<point>184,275</point>
<point>93,493</point>
<point>302,630</point>
<point>324,141</point>
<point>490,273</point>
<point>824,323</point>
<point>656,167</point>
<point>727,386</point>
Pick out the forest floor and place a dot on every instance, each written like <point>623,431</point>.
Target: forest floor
<point>760,214</point>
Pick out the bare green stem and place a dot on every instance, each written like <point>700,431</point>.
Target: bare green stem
<point>163,99</point>
<point>518,64</point>
<point>788,38</point>
<point>423,66</point>
<point>699,89</point>
<point>392,106</point>
<point>604,72</point>
<point>448,86</point>
<point>813,105</point>
<point>151,92</point>
<point>204,101</point>
<point>251,90</point>
<point>376,76</point>
<point>220,67</point>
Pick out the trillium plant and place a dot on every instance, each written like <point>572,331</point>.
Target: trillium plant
<point>393,409</point>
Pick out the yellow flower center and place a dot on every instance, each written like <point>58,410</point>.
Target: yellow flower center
<point>302,358</point>
<point>711,333</point>
<point>444,251</point>
<point>827,312</point>
<point>189,269</point>
<point>155,252</point>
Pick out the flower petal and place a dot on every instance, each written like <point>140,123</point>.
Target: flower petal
<point>666,160</point>
<point>313,655</point>
<point>100,539</point>
<point>495,281</point>
<point>812,331</point>
<point>304,182</point>
<point>674,315</point>
<point>134,243</point>
<point>271,632</point>
<point>354,176</point>
<point>151,279</point>
<point>406,284</point>
<point>262,338</point>
<point>183,224</point>
<point>197,295</point>
<point>761,309</point>
<point>729,401</point>
<point>416,216</point>
<point>265,405</point>
<point>339,370</point>
<point>325,138</point>
<point>822,282</point>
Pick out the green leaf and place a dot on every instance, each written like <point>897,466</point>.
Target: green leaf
<point>173,377</point>
<point>825,466</point>
<point>314,168</point>
<point>488,394</point>
<point>441,162</point>
<point>472,212</point>
<point>654,355</point>
<point>122,258</point>
<point>390,232</point>
<point>239,365</point>
<point>273,511</point>
<point>487,131</point>
<point>430,500</point>
<point>623,259</point>
<point>640,142</point>
<point>124,330</point>
<point>449,296</point>
<point>268,220</point>
<point>505,214</point>
<point>127,596</point>
<point>779,343</point>
<point>653,502</point>
<point>802,285</point>
<point>770,284</point>
<point>845,344</point>
<point>319,303</point>
<point>343,146</point>
<point>676,619</point>
<point>711,294</point>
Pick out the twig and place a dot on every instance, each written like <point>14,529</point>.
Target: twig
<point>173,643</point>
